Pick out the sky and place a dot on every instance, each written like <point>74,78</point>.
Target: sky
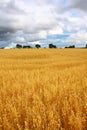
<point>30,22</point>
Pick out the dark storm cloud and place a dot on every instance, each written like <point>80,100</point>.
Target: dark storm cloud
<point>9,22</point>
<point>78,4</point>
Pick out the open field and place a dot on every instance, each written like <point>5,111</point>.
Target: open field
<point>43,89</point>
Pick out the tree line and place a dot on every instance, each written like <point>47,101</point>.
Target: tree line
<point>50,46</point>
<point>39,46</point>
<point>36,46</point>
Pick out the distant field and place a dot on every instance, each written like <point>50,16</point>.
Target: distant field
<point>43,89</point>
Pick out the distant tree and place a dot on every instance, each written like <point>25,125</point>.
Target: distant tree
<point>18,46</point>
<point>71,46</point>
<point>66,47</point>
<point>37,46</point>
<point>26,46</point>
<point>86,46</point>
<point>52,46</point>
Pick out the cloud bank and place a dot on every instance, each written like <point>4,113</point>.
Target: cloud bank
<point>42,20</point>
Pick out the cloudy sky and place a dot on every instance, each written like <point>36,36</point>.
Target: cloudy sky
<point>62,22</point>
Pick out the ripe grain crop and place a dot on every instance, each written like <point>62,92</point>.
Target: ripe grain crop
<point>43,89</point>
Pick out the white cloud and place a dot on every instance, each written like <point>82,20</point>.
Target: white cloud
<point>11,45</point>
<point>79,37</point>
<point>55,31</point>
<point>37,42</point>
<point>21,39</point>
<point>37,36</point>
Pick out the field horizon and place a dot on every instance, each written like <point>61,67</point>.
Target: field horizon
<point>43,89</point>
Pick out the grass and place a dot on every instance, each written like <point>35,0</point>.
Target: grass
<point>43,89</point>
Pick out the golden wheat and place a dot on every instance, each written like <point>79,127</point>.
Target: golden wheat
<point>43,89</point>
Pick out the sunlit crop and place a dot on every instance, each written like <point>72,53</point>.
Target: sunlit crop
<point>43,89</point>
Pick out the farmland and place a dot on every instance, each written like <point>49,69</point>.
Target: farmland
<point>43,89</point>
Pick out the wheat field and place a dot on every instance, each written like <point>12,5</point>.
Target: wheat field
<point>43,89</point>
